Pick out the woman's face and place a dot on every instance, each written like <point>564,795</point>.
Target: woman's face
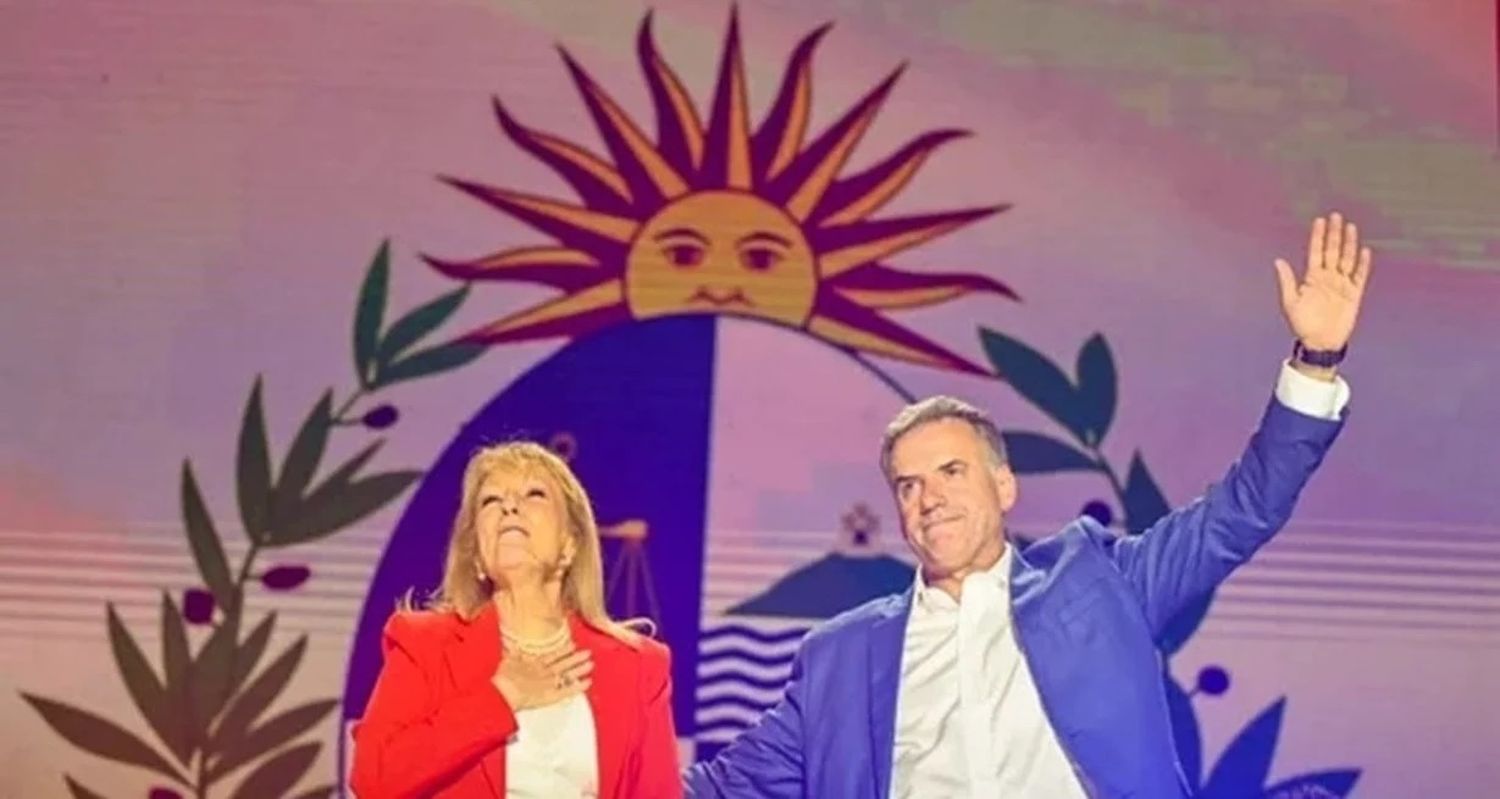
<point>522,525</point>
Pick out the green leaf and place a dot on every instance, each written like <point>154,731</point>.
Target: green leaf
<point>101,737</point>
<point>413,326</point>
<point>253,468</point>
<point>203,539</point>
<point>211,676</point>
<point>250,652</point>
<point>1037,379</point>
<point>177,662</point>
<point>1144,503</point>
<point>429,361</point>
<point>1097,387</point>
<point>341,477</point>
<point>1033,453</point>
<point>146,690</point>
<point>276,776</point>
<point>281,729</point>
<point>322,792</point>
<point>369,312</point>
<point>302,459</point>
<point>78,791</point>
<point>337,506</point>
<point>257,696</point>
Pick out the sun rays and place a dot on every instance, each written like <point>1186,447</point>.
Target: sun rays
<point>723,217</point>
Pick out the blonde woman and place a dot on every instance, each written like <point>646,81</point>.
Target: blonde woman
<point>515,682</point>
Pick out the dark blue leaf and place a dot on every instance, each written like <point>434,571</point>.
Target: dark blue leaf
<point>1184,624</point>
<point>203,540</point>
<point>1242,769</point>
<point>369,313</point>
<point>430,361</point>
<point>1097,388</point>
<point>410,328</point>
<point>303,457</point>
<point>1185,732</point>
<point>1033,453</point>
<point>1320,785</point>
<point>253,467</point>
<point>1144,503</point>
<point>1037,379</point>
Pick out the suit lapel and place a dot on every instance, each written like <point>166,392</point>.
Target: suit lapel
<point>473,660</point>
<point>609,698</point>
<point>886,635</point>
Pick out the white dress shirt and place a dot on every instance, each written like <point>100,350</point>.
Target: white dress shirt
<point>553,753</point>
<point>969,720</point>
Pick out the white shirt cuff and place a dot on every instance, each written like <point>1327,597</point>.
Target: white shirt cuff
<point>1309,396</point>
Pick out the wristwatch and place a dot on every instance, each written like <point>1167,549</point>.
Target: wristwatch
<point>1325,359</point>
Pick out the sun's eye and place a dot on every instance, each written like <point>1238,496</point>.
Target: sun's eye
<point>684,255</point>
<point>759,259</point>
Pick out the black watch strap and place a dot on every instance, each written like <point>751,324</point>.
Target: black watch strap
<point>1325,359</point>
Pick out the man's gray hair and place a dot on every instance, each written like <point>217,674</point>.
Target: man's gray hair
<point>936,409</point>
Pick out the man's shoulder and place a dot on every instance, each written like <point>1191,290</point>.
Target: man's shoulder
<point>853,624</point>
<point>1083,532</point>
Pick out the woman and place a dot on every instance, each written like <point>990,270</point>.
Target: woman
<point>515,682</point>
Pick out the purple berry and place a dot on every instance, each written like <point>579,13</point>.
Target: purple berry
<point>197,606</point>
<point>381,417</point>
<point>1100,510</point>
<point>163,793</point>
<point>285,577</point>
<point>1213,681</point>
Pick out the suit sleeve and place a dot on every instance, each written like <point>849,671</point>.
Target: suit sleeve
<point>658,771</point>
<point>767,759</point>
<point>409,744</point>
<point>1191,550</point>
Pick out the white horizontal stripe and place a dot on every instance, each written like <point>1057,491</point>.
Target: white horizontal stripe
<point>744,643</point>
<point>723,736</point>
<point>765,624</point>
<point>760,696</point>
<point>739,667</point>
<point>715,715</point>
<point>719,570</point>
<point>355,540</point>
<point>1388,572</point>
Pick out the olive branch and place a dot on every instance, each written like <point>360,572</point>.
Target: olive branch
<point>207,706</point>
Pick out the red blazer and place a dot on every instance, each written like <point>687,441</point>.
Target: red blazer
<point>436,726</point>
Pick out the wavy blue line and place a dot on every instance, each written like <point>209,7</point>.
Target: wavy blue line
<point>749,632</point>
<point>754,657</point>
<point>727,725</point>
<point>735,702</point>
<point>741,680</point>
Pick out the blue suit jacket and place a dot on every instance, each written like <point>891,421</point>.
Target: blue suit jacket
<point>1088,607</point>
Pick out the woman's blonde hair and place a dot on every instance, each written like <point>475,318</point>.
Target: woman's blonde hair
<point>465,590</point>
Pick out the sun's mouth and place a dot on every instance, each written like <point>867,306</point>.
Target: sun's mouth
<point>721,299</point>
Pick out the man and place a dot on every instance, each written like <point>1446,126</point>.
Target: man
<point>1035,673</point>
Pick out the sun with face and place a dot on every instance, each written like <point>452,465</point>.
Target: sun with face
<point>724,219</point>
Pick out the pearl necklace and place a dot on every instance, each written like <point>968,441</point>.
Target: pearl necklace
<point>535,646</point>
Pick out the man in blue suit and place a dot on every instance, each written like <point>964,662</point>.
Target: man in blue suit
<point>1035,673</point>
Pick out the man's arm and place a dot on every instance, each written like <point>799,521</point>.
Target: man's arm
<point>766,760</point>
<point>1192,549</point>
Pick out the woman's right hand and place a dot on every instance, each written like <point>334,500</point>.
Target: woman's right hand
<point>528,681</point>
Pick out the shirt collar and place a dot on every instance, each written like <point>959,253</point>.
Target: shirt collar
<point>998,575</point>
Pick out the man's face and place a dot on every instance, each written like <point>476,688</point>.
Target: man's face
<point>952,497</point>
